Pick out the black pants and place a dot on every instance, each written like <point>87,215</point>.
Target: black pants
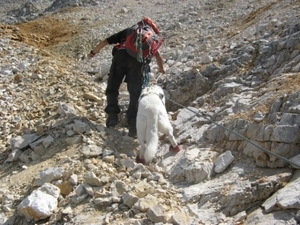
<point>124,65</point>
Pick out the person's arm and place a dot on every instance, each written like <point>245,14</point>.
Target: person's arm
<point>113,39</point>
<point>101,45</point>
<point>160,62</point>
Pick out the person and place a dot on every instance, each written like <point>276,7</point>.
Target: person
<point>123,66</point>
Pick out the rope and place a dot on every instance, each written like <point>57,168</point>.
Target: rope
<point>139,46</point>
<point>239,135</point>
<point>146,71</point>
<point>146,67</point>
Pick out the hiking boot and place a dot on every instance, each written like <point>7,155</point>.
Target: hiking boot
<point>132,130</point>
<point>112,120</point>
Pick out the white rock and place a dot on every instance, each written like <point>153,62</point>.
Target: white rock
<point>65,109</point>
<point>223,161</point>
<point>38,205</point>
<point>20,142</point>
<point>258,117</point>
<point>14,155</point>
<point>91,150</point>
<point>74,179</point>
<point>206,59</point>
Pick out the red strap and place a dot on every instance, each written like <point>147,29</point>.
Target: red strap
<point>156,47</point>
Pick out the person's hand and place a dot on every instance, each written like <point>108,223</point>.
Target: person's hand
<point>91,54</point>
<point>161,70</point>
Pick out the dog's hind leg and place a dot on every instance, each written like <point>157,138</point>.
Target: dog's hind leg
<point>151,138</point>
<point>174,146</point>
<point>171,136</point>
<point>141,127</point>
<point>166,128</point>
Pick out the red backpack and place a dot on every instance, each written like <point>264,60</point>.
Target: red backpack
<point>142,40</point>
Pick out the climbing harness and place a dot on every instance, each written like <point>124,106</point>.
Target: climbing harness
<point>239,135</point>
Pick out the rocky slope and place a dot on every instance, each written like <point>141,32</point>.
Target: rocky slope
<point>232,84</point>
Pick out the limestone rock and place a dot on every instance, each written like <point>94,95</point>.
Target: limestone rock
<point>223,161</point>
<point>91,179</point>
<point>38,205</point>
<point>48,175</point>
<point>129,199</point>
<point>157,214</point>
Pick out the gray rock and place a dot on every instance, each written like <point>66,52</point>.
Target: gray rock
<point>157,214</point>
<point>119,187</point>
<point>91,179</point>
<point>103,201</point>
<point>144,204</point>
<point>21,142</point>
<point>129,199</point>
<point>285,133</point>
<point>285,198</point>
<point>91,150</point>
<point>65,109</point>
<point>198,172</point>
<point>79,190</point>
<point>48,175</point>
<point>88,189</point>
<point>271,218</point>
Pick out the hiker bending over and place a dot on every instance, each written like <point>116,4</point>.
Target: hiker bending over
<point>132,62</point>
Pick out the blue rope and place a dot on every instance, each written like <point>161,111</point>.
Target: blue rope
<point>146,70</point>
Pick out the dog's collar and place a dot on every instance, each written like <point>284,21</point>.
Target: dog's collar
<point>161,96</point>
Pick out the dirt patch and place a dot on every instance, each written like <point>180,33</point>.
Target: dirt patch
<point>47,31</point>
<point>43,33</point>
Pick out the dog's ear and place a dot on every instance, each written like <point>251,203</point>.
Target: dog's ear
<point>161,96</point>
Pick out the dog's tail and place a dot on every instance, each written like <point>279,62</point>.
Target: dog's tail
<point>151,138</point>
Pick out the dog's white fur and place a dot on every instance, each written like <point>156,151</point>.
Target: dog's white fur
<point>152,118</point>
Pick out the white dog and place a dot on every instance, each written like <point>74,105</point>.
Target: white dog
<point>152,118</point>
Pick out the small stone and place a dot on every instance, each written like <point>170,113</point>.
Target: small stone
<point>157,214</point>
